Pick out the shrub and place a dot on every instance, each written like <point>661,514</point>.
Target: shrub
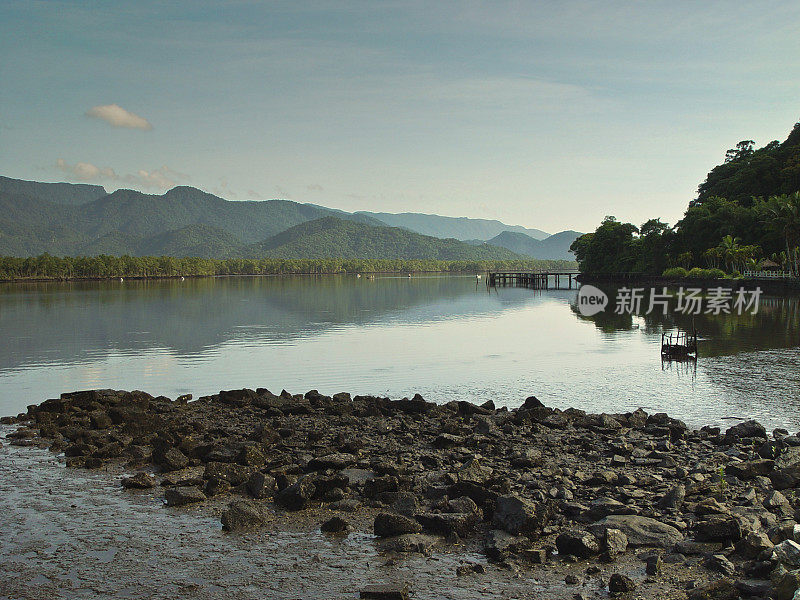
<point>676,272</point>
<point>698,273</point>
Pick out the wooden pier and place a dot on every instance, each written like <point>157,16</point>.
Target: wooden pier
<point>536,280</point>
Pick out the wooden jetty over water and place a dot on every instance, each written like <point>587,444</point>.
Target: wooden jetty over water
<point>537,280</point>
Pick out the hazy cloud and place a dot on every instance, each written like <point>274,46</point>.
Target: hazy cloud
<point>115,115</point>
<point>162,178</point>
<point>314,187</point>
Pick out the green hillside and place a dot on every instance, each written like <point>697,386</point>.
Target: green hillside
<point>57,193</point>
<point>333,237</point>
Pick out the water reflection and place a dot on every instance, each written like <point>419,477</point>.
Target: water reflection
<point>444,337</point>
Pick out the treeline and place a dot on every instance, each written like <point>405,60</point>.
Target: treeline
<point>756,226</point>
<point>46,266</point>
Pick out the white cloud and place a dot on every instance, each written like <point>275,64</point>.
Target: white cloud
<point>162,178</point>
<point>115,115</point>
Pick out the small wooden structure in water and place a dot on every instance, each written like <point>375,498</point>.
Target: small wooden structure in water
<point>679,346</point>
<point>537,280</point>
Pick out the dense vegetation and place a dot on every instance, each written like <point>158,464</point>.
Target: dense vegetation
<point>460,228</point>
<point>91,267</point>
<point>746,216</point>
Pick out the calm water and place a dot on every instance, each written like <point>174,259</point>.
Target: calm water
<point>444,337</point>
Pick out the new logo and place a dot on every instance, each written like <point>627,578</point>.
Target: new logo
<point>591,300</point>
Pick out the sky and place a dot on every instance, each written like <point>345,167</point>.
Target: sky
<point>550,115</point>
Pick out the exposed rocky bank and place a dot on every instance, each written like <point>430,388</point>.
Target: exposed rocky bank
<point>631,505</point>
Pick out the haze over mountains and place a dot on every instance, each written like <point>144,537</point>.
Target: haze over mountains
<point>77,219</point>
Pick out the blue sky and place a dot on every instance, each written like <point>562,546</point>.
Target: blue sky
<point>545,114</point>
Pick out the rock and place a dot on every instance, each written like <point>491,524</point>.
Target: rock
<point>173,460</point>
<point>140,481</point>
<point>100,419</point>
<point>640,531</point>
<point>406,504</point>
<point>385,592</point>
<point>391,524</point>
<point>750,469</point>
<point>337,462</point>
<point>721,564</point>
<point>232,473</point>
<point>654,565</point>
<point>753,544</point>
<point>499,544</point>
<point>615,542</point>
<point>722,589</point>
<point>179,496</point>
<point>518,516</point>
<point>747,429</point>
<point>785,584</point>
<point>673,499</point>
<point>719,529</point>
<point>378,485</point>
<point>578,543</point>
<point>242,515</point>
<point>335,525</point>
<point>296,496</point>
<point>787,553</point>
<point>620,584</point>
<point>410,542</point>
<point>261,485</point>
<point>448,523</point>
<point>447,440</point>
<point>216,486</point>
<point>777,502</point>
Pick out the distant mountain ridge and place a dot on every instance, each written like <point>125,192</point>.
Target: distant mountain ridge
<point>57,193</point>
<point>77,219</point>
<point>555,247</point>
<point>460,228</point>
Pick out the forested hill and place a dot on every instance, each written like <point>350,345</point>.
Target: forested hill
<point>82,220</point>
<point>331,237</point>
<point>57,193</point>
<point>746,217</point>
<point>748,173</point>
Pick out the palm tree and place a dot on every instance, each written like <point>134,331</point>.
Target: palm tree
<point>783,213</point>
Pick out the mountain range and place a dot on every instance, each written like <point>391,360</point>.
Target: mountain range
<point>79,219</point>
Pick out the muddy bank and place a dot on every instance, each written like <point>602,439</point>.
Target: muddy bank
<point>480,501</point>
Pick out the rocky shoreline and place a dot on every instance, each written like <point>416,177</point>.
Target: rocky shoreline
<point>636,504</point>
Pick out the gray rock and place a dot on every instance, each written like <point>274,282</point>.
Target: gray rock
<point>179,496</point>
<point>337,462</point>
<point>140,481</point>
<point>673,499</point>
<point>173,460</point>
<point>261,485</point>
<point>641,531</point>
<point>722,589</point>
<point>391,524</point>
<point>721,564</point>
<point>578,543</point>
<point>242,515</point>
<point>747,429</point>
<point>335,525</point>
<point>787,553</point>
<point>620,584</point>
<point>719,529</point>
<point>410,542</point>
<point>615,542</point>
<point>296,496</point>
<point>518,516</point>
<point>499,544</point>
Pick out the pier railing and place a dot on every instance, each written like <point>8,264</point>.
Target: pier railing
<point>537,280</point>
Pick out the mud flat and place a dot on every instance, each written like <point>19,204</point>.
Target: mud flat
<point>291,496</point>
